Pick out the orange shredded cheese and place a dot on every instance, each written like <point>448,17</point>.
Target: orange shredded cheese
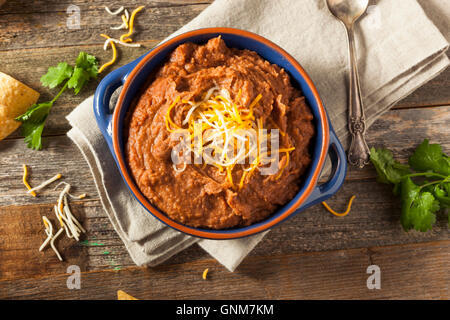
<point>125,21</point>
<point>131,24</point>
<point>25,182</point>
<point>349,206</point>
<point>114,58</point>
<point>205,273</point>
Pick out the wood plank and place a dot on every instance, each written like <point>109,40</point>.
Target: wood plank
<point>25,24</point>
<point>374,221</point>
<point>392,130</point>
<point>43,24</point>
<point>407,272</point>
<point>29,65</point>
<point>434,93</point>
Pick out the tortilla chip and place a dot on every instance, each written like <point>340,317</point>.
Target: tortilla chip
<point>15,99</point>
<point>122,295</point>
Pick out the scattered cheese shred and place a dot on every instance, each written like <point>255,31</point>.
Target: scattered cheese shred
<point>124,25</point>
<point>107,41</point>
<point>67,221</point>
<point>114,58</point>
<point>131,24</point>
<point>114,13</point>
<point>25,182</point>
<point>50,237</point>
<point>125,19</point>
<point>45,183</point>
<point>205,273</point>
<point>52,243</point>
<point>349,206</point>
<point>48,230</point>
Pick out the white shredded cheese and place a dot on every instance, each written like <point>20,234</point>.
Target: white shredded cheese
<point>48,231</point>
<point>45,183</point>
<point>52,243</point>
<point>114,13</point>
<point>107,41</point>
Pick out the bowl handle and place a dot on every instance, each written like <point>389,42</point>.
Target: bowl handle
<point>102,97</point>
<point>338,173</point>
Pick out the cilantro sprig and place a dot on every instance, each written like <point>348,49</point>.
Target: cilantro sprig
<point>33,120</point>
<point>421,200</point>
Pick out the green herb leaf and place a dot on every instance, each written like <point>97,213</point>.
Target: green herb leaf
<point>36,113</point>
<point>33,123</point>
<point>443,194</point>
<point>430,157</point>
<point>388,169</point>
<point>418,207</point>
<point>33,120</point>
<point>89,63</point>
<point>78,79</point>
<point>85,69</point>
<point>57,75</point>
<point>33,134</point>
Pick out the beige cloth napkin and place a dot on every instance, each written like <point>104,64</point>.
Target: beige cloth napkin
<point>399,49</point>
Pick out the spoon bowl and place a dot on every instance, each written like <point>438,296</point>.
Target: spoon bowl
<point>348,11</point>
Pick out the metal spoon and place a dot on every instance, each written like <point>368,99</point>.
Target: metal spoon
<point>348,11</point>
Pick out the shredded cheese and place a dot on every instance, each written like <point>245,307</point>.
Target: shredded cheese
<point>48,230</point>
<point>114,13</point>
<point>52,243</point>
<point>50,237</point>
<point>224,121</point>
<point>114,58</point>
<point>25,182</point>
<point>45,183</point>
<point>131,24</point>
<point>67,220</point>
<point>125,17</point>
<point>107,41</point>
<point>205,273</point>
<point>343,214</point>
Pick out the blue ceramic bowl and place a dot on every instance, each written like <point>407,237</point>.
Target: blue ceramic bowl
<point>133,77</point>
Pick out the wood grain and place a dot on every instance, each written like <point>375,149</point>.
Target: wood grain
<point>392,130</point>
<point>407,272</point>
<point>374,221</point>
<point>39,24</point>
<point>313,255</point>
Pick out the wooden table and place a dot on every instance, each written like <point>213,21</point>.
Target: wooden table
<point>314,255</point>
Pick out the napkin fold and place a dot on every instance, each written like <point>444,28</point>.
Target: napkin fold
<point>398,47</point>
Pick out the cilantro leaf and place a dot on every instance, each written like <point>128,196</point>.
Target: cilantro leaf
<point>430,157</point>
<point>78,79</point>
<point>85,69</point>
<point>33,134</point>
<point>56,75</point>
<point>443,194</point>
<point>33,120</point>
<point>418,207</point>
<point>89,63</point>
<point>36,113</point>
<point>33,123</point>
<point>388,169</point>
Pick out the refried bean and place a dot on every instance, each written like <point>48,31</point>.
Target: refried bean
<point>201,196</point>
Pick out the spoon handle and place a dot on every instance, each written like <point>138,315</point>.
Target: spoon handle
<point>358,153</point>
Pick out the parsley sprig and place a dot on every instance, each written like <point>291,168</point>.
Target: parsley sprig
<point>420,200</point>
<point>33,120</point>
